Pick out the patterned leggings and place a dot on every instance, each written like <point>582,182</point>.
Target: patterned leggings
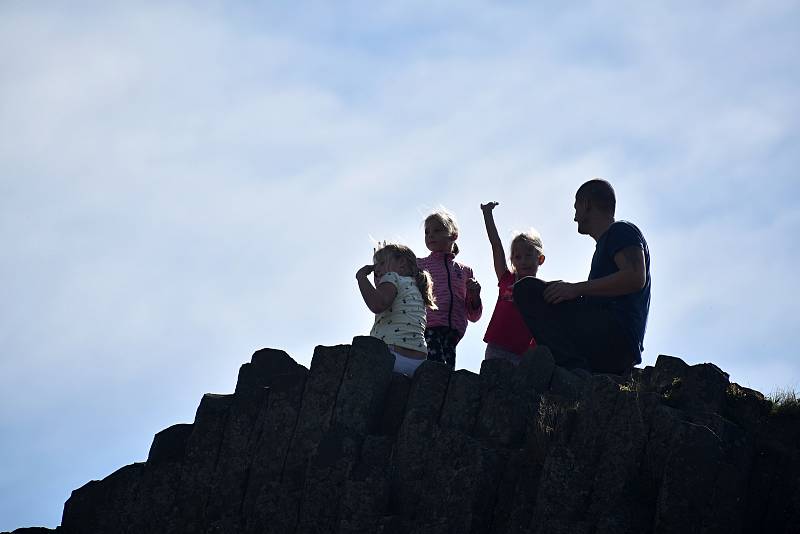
<point>442,342</point>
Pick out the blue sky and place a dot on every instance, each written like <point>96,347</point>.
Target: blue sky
<point>184,183</point>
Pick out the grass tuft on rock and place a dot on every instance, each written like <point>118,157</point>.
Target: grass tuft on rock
<point>785,402</point>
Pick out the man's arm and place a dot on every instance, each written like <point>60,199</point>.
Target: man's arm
<point>630,278</point>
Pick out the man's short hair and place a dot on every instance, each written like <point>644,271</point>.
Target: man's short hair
<point>600,194</point>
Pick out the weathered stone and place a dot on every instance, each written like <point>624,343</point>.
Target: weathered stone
<point>463,400</point>
<point>169,445</point>
<point>684,490</point>
<point>643,378</point>
<point>154,503</point>
<point>416,434</point>
<point>103,506</point>
<point>705,472</point>
<point>529,384</point>
<point>351,447</point>
<point>395,405</point>
<point>270,372</point>
<point>199,466</point>
<point>268,493</point>
<point>705,389</point>
<point>460,484</point>
<point>336,455</point>
<point>33,530</point>
<point>288,439</point>
<point>565,486</point>
<point>668,369</point>
<point>746,407</point>
<point>365,496</point>
<point>564,490</point>
<point>516,492</point>
<point>773,503</point>
<point>363,389</point>
<point>316,413</point>
<point>501,418</point>
<point>233,460</point>
<point>264,366</point>
<point>620,499</point>
<point>567,384</point>
<point>536,369</point>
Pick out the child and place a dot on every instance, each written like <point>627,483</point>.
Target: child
<point>507,337</point>
<point>458,294</point>
<point>398,300</point>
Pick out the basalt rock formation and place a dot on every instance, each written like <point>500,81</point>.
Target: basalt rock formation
<point>350,447</point>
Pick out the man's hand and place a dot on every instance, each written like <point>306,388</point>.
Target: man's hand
<point>489,206</point>
<point>474,289</point>
<point>364,271</point>
<point>560,291</point>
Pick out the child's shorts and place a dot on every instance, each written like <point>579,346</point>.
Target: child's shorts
<point>405,365</point>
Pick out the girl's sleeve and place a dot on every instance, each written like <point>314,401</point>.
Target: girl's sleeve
<point>474,309</point>
<point>391,277</point>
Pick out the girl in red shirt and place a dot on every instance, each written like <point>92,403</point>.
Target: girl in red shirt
<point>507,337</point>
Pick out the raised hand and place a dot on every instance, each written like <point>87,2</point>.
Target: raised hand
<point>365,271</point>
<point>474,288</point>
<point>559,291</point>
<point>489,206</point>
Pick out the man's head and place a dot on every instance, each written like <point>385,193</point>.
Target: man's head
<point>595,203</point>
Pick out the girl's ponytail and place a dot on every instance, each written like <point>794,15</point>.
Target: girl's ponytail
<point>425,285</point>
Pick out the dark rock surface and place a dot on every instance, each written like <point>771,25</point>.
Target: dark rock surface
<point>348,446</point>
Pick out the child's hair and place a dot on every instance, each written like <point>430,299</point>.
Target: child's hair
<point>448,220</point>
<point>531,238</point>
<point>421,276</point>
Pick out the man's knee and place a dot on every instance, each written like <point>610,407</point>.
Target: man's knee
<point>615,360</point>
<point>529,293</point>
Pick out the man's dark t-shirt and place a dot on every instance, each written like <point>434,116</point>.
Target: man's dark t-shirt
<point>631,310</point>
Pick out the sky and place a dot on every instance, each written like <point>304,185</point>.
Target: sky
<point>184,183</point>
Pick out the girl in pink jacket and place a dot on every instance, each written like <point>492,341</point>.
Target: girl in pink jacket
<point>458,294</point>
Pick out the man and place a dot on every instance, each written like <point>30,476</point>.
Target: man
<point>598,324</point>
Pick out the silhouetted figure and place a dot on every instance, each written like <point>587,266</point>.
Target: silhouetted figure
<point>598,324</point>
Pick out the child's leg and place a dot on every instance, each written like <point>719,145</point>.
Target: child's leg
<point>442,343</point>
<point>435,340</point>
<point>453,337</point>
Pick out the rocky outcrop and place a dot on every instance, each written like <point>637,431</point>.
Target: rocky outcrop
<point>348,446</point>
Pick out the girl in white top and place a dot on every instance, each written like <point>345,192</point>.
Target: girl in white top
<point>398,299</point>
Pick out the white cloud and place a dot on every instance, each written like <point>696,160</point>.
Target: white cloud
<point>184,184</point>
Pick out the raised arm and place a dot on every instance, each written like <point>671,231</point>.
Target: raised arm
<point>498,254</point>
<point>377,299</point>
